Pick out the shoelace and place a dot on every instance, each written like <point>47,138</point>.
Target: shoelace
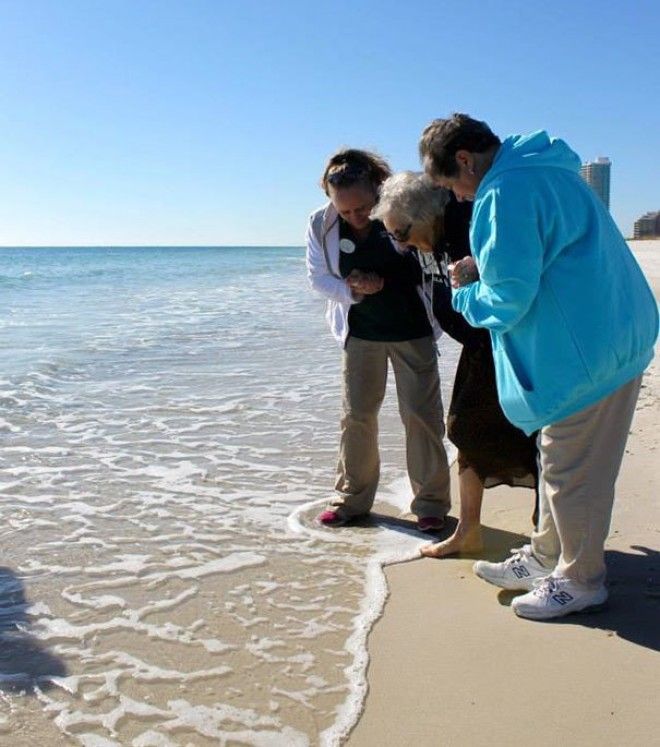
<point>545,587</point>
<point>519,553</point>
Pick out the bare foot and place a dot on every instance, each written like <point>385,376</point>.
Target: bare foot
<point>468,541</point>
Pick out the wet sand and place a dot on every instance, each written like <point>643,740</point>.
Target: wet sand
<point>452,665</point>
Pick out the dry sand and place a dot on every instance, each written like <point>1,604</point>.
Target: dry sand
<point>452,665</point>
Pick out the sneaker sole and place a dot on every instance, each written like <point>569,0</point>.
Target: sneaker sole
<point>598,607</point>
<point>430,529</point>
<point>334,524</point>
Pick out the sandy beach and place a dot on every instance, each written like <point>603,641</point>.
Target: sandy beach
<point>450,664</point>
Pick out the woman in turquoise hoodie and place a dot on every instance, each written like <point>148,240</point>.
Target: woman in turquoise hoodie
<point>573,324</point>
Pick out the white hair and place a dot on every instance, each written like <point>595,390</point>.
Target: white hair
<point>410,197</point>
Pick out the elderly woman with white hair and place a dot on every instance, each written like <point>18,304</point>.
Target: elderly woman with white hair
<point>491,451</point>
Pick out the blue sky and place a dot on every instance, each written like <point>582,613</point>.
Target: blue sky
<point>208,122</point>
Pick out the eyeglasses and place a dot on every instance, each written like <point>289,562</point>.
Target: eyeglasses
<point>346,176</point>
<point>401,235</point>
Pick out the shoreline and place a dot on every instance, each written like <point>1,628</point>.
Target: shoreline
<point>462,669</point>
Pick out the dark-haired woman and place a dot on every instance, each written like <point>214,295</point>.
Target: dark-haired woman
<point>377,315</point>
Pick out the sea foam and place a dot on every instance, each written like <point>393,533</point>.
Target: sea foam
<point>169,429</point>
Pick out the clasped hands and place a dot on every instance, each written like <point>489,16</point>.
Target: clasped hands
<point>365,283</point>
<point>463,272</point>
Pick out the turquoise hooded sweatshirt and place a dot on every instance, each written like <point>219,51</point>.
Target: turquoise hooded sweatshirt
<point>570,313</point>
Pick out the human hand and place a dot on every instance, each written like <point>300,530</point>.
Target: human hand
<point>372,283</point>
<point>463,272</point>
<point>365,283</point>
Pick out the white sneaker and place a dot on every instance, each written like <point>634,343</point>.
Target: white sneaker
<point>519,572</point>
<point>556,596</point>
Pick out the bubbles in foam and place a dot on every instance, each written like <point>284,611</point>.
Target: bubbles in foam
<point>166,439</point>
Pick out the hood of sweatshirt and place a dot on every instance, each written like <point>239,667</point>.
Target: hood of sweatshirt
<point>537,149</point>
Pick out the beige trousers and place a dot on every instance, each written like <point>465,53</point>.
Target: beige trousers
<point>580,458</point>
<point>415,366</point>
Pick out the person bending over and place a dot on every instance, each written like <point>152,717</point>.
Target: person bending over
<point>491,451</point>
<point>377,315</point>
<point>573,324</point>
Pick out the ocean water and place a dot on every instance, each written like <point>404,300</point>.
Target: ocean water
<point>168,430</point>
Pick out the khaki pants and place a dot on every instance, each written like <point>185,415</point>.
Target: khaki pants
<point>580,458</point>
<point>418,390</point>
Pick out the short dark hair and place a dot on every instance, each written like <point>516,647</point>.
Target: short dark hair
<point>444,137</point>
<point>351,166</point>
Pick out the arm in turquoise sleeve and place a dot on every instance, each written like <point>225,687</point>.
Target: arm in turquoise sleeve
<point>507,245</point>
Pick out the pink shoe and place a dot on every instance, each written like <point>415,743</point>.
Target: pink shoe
<point>333,517</point>
<point>430,523</point>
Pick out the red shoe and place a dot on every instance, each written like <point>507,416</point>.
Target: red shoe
<point>333,517</point>
<point>430,523</point>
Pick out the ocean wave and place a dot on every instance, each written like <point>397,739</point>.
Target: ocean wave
<point>161,454</point>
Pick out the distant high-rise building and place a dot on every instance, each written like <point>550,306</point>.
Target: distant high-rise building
<point>648,226</point>
<point>597,175</point>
